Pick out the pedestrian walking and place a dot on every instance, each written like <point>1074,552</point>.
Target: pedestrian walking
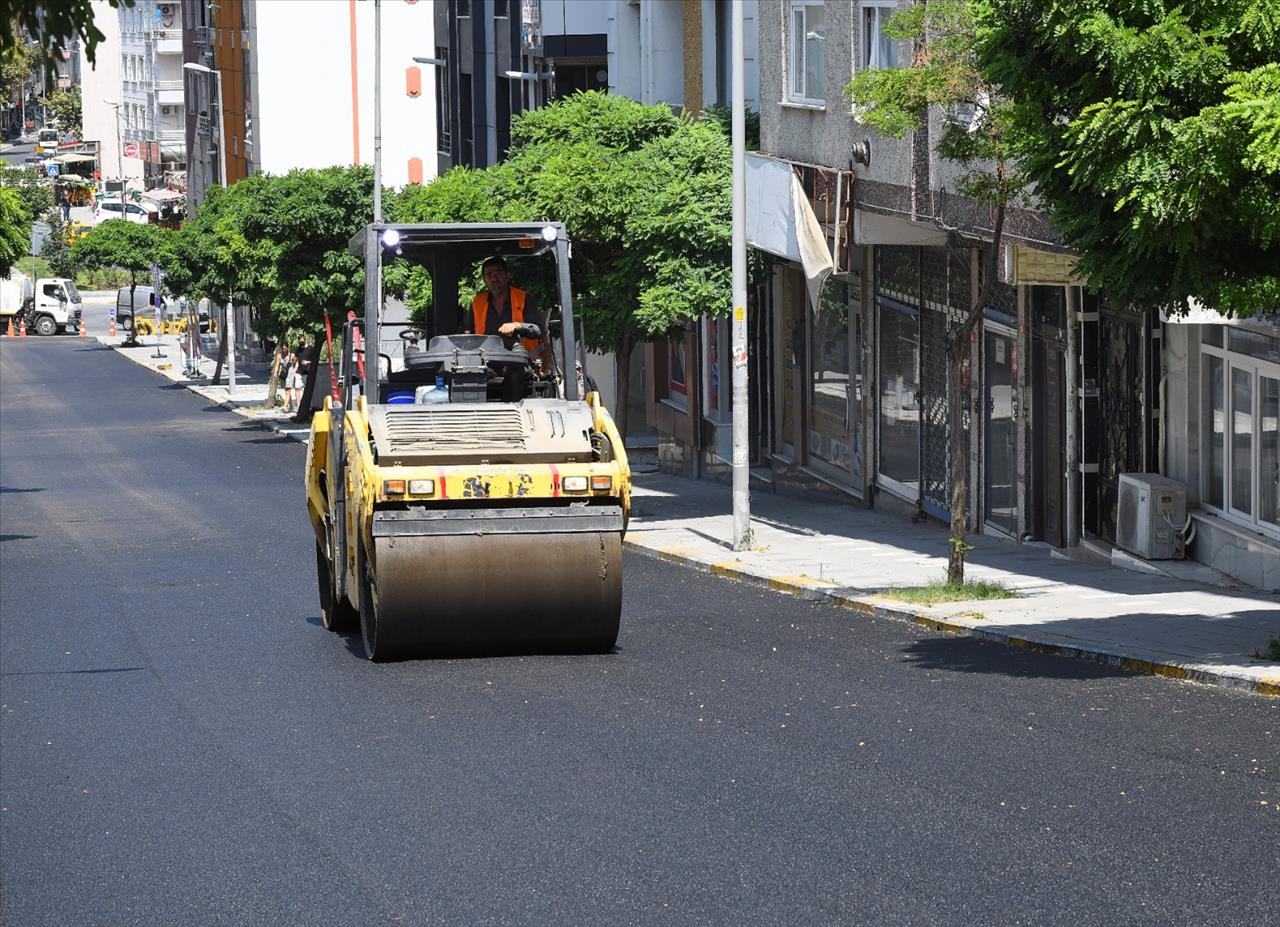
<point>292,382</point>
<point>65,203</point>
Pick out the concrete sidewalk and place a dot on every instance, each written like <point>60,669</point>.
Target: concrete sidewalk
<point>844,554</point>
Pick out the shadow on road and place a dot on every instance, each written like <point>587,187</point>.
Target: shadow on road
<point>7,489</point>
<point>17,537</point>
<point>968,655</point>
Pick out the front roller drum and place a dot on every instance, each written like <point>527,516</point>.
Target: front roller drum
<point>516,592</point>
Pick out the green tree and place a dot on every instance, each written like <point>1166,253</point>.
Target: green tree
<point>944,73</point>
<point>15,226</point>
<point>64,105</point>
<point>37,196</point>
<point>18,61</point>
<point>645,196</point>
<point>129,246</point>
<point>1151,130</point>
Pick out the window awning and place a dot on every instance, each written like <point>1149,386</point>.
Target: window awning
<point>781,221</point>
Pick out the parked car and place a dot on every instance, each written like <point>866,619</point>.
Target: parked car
<point>113,209</point>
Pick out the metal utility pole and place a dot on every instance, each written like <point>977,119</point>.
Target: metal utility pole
<point>229,316</point>
<point>741,471</point>
<point>377,110</point>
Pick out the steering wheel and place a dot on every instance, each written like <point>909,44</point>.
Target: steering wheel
<point>413,334</point>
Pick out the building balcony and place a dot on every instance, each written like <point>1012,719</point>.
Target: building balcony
<point>168,41</point>
<point>202,35</point>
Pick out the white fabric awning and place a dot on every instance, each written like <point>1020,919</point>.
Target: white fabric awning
<point>781,221</point>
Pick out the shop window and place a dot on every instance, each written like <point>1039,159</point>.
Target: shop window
<point>900,397</point>
<point>806,51</point>
<point>677,377</point>
<point>1240,425</point>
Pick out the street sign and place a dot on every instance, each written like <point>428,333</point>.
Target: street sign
<point>111,311</point>
<point>130,151</point>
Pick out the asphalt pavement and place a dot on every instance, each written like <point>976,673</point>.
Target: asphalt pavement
<point>184,743</point>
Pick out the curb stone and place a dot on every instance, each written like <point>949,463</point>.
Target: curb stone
<point>818,591</point>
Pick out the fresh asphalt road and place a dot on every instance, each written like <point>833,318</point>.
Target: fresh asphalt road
<point>183,743</point>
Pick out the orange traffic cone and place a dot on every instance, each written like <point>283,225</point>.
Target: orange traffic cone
<point>84,329</point>
<point>22,327</point>
<point>111,329</point>
<point>9,333</point>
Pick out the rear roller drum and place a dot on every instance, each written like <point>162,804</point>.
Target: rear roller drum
<point>335,611</point>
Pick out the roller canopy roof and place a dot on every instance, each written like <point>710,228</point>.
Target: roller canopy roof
<point>466,241</point>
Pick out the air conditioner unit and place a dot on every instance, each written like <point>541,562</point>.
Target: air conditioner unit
<point>166,9</point>
<point>1150,516</point>
<point>166,110</point>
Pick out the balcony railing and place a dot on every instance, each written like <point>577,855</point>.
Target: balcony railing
<point>162,35</point>
<point>166,85</point>
<point>202,35</point>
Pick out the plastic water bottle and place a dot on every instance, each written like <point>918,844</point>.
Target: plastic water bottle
<point>433,395</point>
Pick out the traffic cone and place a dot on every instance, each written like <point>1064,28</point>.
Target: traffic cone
<point>22,327</point>
<point>111,329</point>
<point>9,333</point>
<point>84,329</point>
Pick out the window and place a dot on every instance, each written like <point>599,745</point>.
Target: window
<point>878,50</point>
<point>1240,425</point>
<point>501,9</point>
<point>808,80</point>
<point>464,8</point>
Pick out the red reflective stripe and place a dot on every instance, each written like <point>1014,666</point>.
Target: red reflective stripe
<point>555,481</point>
<point>444,488</point>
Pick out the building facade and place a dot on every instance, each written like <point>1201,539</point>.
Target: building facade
<point>498,58</point>
<point>875,265</point>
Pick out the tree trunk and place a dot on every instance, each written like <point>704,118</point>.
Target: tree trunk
<point>957,347</point>
<point>308,389</point>
<point>222,351</point>
<point>958,351</point>
<point>273,382</point>
<point>622,362</point>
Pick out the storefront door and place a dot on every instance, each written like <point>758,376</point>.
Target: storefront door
<point>835,385</point>
<point>999,423</point>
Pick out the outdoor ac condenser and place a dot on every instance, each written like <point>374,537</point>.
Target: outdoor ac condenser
<point>1150,516</point>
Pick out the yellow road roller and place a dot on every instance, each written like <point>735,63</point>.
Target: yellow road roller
<point>469,492</point>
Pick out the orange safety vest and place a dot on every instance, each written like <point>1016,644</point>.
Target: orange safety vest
<point>480,310</point>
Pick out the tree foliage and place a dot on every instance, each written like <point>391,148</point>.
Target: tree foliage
<point>37,196</point>
<point>15,224</point>
<point>54,28</point>
<point>18,61</point>
<point>66,109</point>
<point>278,243</point>
<point>645,196</point>
<point>130,246</point>
<point>1151,130</point>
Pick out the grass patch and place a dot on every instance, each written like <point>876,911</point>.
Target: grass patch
<point>939,591</point>
<point>1270,652</point>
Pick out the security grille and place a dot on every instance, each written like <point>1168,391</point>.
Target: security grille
<point>936,280</point>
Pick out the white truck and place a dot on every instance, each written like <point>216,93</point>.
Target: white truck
<point>51,306</point>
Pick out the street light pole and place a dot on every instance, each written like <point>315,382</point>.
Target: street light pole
<point>741,471</point>
<point>230,314</point>
<point>119,154</point>
<point>377,111</point>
